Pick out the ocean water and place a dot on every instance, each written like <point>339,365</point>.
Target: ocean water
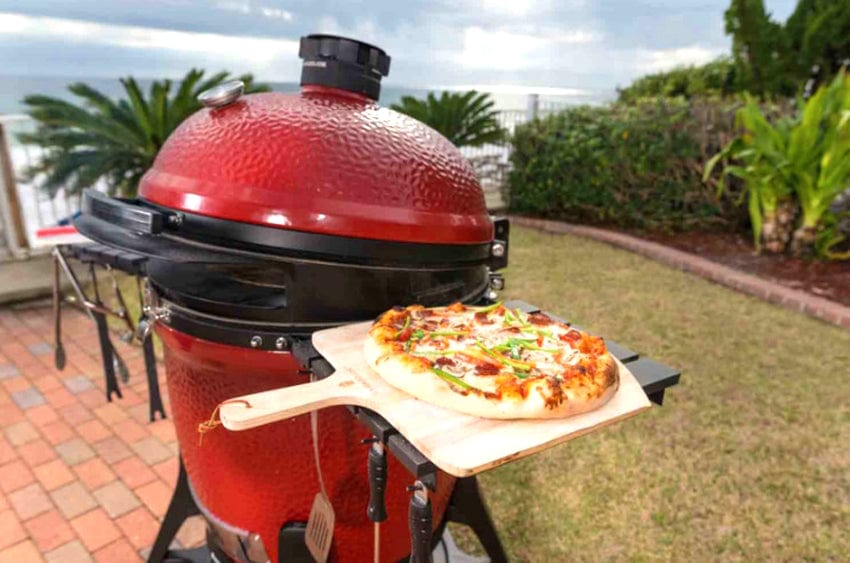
<point>14,88</point>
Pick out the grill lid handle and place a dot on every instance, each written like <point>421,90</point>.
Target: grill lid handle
<point>123,213</point>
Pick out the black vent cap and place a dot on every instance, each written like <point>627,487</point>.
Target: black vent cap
<point>340,62</point>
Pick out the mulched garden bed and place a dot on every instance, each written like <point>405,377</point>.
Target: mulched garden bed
<point>830,280</point>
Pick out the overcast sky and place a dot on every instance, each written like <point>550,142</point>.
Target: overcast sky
<point>584,44</point>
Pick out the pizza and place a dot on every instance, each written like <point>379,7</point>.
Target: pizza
<point>492,362</point>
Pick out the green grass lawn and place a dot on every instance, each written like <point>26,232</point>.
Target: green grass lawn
<point>749,458</point>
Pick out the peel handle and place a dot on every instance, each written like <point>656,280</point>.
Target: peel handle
<point>265,407</point>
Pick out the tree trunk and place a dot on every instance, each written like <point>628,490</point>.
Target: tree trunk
<point>777,227</point>
<point>804,240</point>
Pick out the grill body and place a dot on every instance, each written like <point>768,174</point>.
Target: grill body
<point>259,480</point>
<point>265,218</point>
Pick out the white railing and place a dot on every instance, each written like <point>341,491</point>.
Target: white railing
<point>25,208</point>
<point>492,161</point>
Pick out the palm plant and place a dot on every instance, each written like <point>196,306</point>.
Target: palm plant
<point>760,156</point>
<point>114,141</point>
<point>804,163</point>
<point>819,156</point>
<point>465,119</point>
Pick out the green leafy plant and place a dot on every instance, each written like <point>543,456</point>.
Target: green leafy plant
<point>465,119</point>
<point>114,141</point>
<point>769,58</point>
<point>819,157</point>
<point>802,164</point>
<point>711,79</point>
<point>758,49</point>
<point>760,157</point>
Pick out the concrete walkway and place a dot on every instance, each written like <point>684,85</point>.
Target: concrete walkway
<point>25,279</point>
<point>82,479</point>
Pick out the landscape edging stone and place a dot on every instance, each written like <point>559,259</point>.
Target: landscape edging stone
<point>792,299</point>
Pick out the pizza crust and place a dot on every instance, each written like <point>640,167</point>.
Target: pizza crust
<point>416,380</point>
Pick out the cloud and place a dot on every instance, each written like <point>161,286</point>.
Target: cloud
<point>506,50</point>
<point>256,50</point>
<point>515,8</point>
<point>561,43</point>
<point>659,60</point>
<point>363,29</point>
<point>247,8</point>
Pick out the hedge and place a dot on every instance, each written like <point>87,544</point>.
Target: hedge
<point>626,165</point>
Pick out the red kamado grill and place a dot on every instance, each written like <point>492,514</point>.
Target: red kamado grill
<point>264,218</point>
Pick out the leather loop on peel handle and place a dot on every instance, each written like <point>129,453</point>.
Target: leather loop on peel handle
<point>211,424</point>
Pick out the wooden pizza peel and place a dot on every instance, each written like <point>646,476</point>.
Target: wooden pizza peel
<point>457,443</point>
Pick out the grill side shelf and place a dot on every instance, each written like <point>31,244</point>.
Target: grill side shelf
<point>125,261</point>
<point>653,377</point>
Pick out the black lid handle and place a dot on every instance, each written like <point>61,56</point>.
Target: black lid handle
<point>122,213</point>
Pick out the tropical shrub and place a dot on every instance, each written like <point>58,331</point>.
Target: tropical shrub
<point>759,50</point>
<point>800,164</point>
<point>114,141</point>
<point>465,119</point>
<point>636,166</point>
<point>770,59</point>
<point>711,79</point>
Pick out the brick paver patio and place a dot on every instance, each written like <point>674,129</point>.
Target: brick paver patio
<point>81,479</point>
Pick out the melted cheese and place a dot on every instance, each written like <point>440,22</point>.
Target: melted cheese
<point>434,336</point>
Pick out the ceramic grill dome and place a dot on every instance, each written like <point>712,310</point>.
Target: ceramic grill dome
<point>323,160</point>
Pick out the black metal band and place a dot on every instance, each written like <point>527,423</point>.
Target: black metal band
<point>141,225</point>
<point>259,336</point>
<point>299,244</point>
<point>225,236</point>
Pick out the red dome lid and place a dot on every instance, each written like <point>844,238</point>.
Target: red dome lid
<point>321,161</point>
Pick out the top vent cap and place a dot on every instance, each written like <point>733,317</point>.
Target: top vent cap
<point>340,62</point>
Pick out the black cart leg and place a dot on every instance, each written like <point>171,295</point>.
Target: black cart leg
<point>181,507</point>
<point>466,506</point>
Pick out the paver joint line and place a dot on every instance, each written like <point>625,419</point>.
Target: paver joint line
<point>792,299</point>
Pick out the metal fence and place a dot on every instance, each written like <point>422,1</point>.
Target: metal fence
<point>491,161</point>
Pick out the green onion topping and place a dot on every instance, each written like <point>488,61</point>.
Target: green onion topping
<point>406,324</point>
<point>453,379</point>
<point>488,308</point>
